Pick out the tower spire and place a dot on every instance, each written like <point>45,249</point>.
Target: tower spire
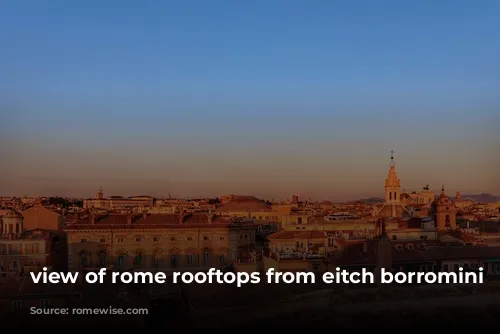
<point>392,158</point>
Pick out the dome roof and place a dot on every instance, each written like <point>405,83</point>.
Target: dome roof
<point>13,214</point>
<point>245,203</point>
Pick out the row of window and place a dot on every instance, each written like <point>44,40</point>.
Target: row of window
<point>20,248</point>
<point>139,260</point>
<point>155,239</point>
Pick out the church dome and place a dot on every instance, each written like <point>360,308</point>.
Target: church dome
<point>13,214</point>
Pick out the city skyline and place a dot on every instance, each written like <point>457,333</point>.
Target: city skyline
<point>264,98</point>
<point>357,193</point>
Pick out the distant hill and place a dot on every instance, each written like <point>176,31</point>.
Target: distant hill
<point>372,200</point>
<point>482,198</point>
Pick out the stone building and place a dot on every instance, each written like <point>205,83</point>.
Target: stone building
<point>24,250</point>
<point>163,242</point>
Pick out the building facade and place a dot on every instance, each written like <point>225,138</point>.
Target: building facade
<point>162,242</point>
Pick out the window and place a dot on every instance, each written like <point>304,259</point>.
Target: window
<point>222,238</point>
<point>222,259</point>
<point>190,238</point>
<point>316,267</point>
<point>205,238</point>
<point>138,259</point>
<point>46,303</point>
<point>206,258</point>
<point>155,259</point>
<point>84,259</point>
<point>331,242</point>
<point>17,305</point>
<point>84,240</point>
<point>172,238</point>
<point>155,239</point>
<point>446,268</point>
<point>394,237</point>
<point>190,259</point>
<point>103,259</point>
<point>299,220</point>
<point>174,260</point>
<point>456,267</point>
<point>119,261</point>
<point>119,240</point>
<point>138,239</point>
<point>102,240</point>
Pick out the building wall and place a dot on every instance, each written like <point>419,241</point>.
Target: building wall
<point>412,234</point>
<point>38,217</point>
<point>30,253</point>
<point>161,249</point>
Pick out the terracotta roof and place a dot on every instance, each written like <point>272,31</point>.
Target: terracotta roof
<point>149,221</point>
<point>245,203</point>
<point>386,211</point>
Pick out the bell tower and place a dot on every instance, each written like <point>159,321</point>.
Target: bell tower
<point>392,187</point>
<point>445,215</point>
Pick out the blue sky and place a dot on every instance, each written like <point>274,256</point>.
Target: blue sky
<point>262,97</point>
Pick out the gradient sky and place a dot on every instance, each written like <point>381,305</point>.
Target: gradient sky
<point>265,97</point>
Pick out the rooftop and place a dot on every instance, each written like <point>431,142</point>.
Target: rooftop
<point>152,221</point>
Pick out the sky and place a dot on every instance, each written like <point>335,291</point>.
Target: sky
<point>264,97</point>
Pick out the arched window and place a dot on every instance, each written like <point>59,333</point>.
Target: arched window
<point>156,257</point>
<point>120,259</point>
<point>103,258</point>
<point>390,195</point>
<point>84,259</point>
<point>139,258</point>
<point>206,256</point>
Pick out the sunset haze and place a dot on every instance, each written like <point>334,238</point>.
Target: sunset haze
<point>269,98</point>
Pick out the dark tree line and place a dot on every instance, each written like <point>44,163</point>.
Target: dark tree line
<point>62,202</point>
<point>214,201</point>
